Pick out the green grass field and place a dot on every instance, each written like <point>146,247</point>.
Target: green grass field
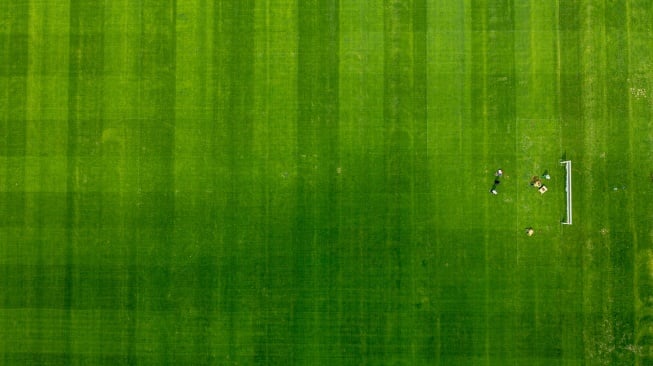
<point>305,182</point>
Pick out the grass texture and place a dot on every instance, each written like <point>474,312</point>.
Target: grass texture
<point>305,182</point>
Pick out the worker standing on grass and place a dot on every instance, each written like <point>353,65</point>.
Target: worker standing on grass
<point>497,174</point>
<point>546,175</point>
<point>493,190</point>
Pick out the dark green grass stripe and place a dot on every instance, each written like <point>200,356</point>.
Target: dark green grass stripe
<point>316,231</point>
<point>13,40</point>
<point>405,151</point>
<point>244,199</point>
<point>13,113</point>
<point>13,74</point>
<point>120,156</point>
<point>622,260</point>
<point>361,149</point>
<point>84,108</point>
<point>420,321</point>
<point>570,96</point>
<point>568,252</point>
<point>240,206</point>
<point>220,152</point>
<point>84,119</point>
<point>154,139</point>
<point>479,135</point>
<point>595,253</point>
<point>569,109</point>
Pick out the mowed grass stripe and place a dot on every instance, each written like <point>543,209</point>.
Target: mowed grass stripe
<point>44,163</point>
<point>639,194</point>
<point>618,163</point>
<point>479,236</point>
<point>315,242</point>
<point>275,74</point>
<point>525,285</point>
<point>540,261</point>
<point>397,178</point>
<point>153,138</point>
<point>120,149</point>
<point>593,254</point>
<point>600,322</point>
<point>420,320</point>
<point>450,155</point>
<point>276,79</point>
<point>562,260</point>
<point>406,181</point>
<point>195,250</point>
<point>219,155</point>
<point>573,239</point>
<point>308,203</point>
<point>13,78</point>
<point>13,113</point>
<point>500,153</point>
<point>261,172</point>
<point>13,102</point>
<point>238,207</point>
<point>361,88</point>
<point>84,123</point>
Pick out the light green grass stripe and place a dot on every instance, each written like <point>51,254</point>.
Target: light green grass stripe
<point>600,285</point>
<point>45,94</point>
<point>194,247</point>
<point>538,149</point>
<point>274,144</point>
<point>638,313</point>
<point>45,125</point>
